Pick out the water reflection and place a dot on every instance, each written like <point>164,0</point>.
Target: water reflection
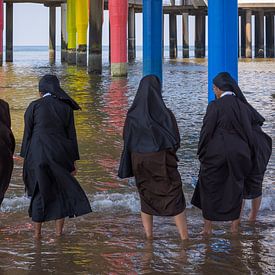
<point>111,240</point>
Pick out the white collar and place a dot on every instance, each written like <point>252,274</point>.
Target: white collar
<point>227,93</point>
<point>47,94</point>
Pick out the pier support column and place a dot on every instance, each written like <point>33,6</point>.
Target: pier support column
<point>9,32</point>
<point>152,37</point>
<point>248,33</point>
<point>259,34</point>
<point>95,36</point>
<point>173,35</point>
<point>243,34</point>
<point>64,38</point>
<point>52,26</point>
<point>81,29</point>
<point>71,30</point>
<point>200,36</point>
<point>223,40</point>
<point>185,35</point>
<point>131,34</point>
<point>118,18</point>
<point>1,30</point>
<point>270,36</point>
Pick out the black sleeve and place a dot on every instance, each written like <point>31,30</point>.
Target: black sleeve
<point>11,136</point>
<point>71,132</point>
<point>28,118</point>
<point>125,166</point>
<point>208,128</point>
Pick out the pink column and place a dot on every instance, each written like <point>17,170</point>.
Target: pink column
<point>1,31</point>
<point>118,11</point>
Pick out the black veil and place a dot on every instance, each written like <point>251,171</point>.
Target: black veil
<point>225,82</point>
<point>50,84</point>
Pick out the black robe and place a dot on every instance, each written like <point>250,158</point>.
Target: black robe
<point>261,142</point>
<point>224,152</point>
<point>151,139</point>
<point>50,148</point>
<point>7,146</point>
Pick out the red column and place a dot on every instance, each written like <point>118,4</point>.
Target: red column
<point>118,12</point>
<point>1,31</point>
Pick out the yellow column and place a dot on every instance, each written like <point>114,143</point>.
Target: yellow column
<point>71,29</point>
<point>82,19</point>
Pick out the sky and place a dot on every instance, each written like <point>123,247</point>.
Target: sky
<point>30,23</point>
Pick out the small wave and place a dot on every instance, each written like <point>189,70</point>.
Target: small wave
<point>116,202</point>
<point>15,204</point>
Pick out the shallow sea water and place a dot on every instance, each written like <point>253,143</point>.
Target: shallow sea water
<point>110,240</point>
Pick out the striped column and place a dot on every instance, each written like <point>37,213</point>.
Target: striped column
<point>71,29</point>
<point>82,19</point>
<point>222,40</point>
<point>152,37</point>
<point>1,31</point>
<point>118,10</point>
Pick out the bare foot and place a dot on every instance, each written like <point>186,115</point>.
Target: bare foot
<point>206,232</point>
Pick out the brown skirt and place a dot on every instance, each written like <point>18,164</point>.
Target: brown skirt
<point>159,183</point>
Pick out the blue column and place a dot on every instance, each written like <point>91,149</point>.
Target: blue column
<point>222,40</point>
<point>152,37</point>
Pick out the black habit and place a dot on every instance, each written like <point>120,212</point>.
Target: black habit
<point>151,139</point>
<point>228,151</point>
<point>7,146</point>
<point>49,150</point>
<point>261,142</point>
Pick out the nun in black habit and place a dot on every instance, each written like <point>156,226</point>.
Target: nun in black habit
<point>151,139</point>
<point>261,147</point>
<point>50,150</point>
<point>224,151</point>
<point>7,146</point>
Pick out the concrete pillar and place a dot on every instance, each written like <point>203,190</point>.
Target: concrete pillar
<point>64,37</point>
<point>131,34</point>
<point>173,47</point>
<point>200,36</point>
<point>185,35</point>
<point>1,31</point>
<point>52,26</point>
<point>71,30</point>
<point>259,34</point>
<point>81,29</point>
<point>118,18</point>
<point>222,40</point>
<point>9,32</point>
<point>95,36</point>
<point>243,34</point>
<point>248,33</point>
<point>152,37</point>
<point>270,36</point>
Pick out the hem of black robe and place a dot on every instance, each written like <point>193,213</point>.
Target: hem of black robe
<point>154,213</point>
<point>252,197</point>
<point>61,216</point>
<point>221,218</point>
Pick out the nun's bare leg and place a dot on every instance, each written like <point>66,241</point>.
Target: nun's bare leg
<point>181,224</point>
<point>255,206</point>
<point>147,221</point>
<point>59,224</point>
<point>207,228</point>
<point>235,226</point>
<point>37,230</point>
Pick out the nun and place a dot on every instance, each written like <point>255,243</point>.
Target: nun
<point>50,151</point>
<point>225,155</point>
<point>7,146</point>
<point>261,150</point>
<point>151,140</point>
